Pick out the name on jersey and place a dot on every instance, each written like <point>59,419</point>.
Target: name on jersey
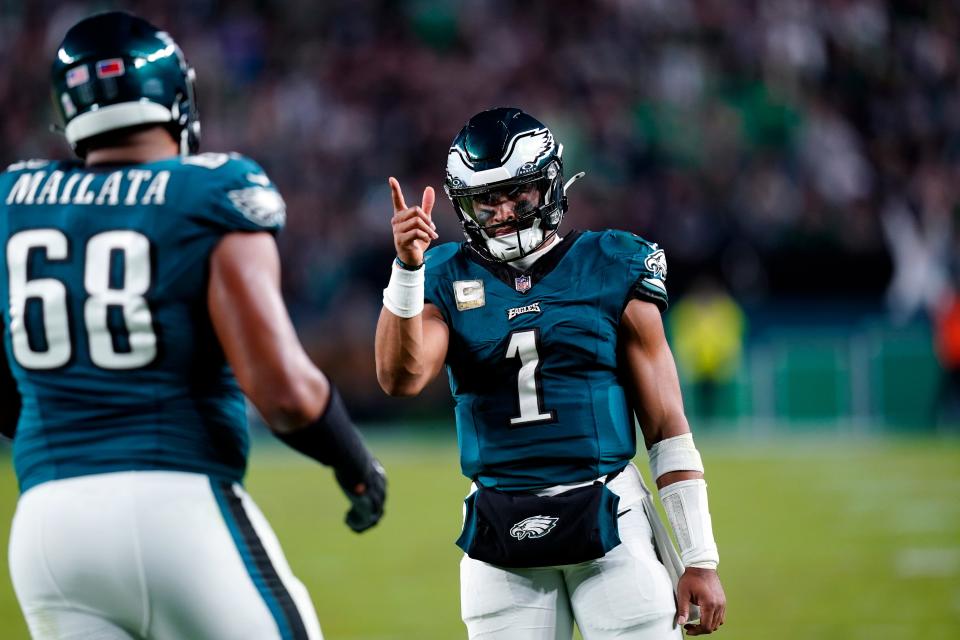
<point>516,311</point>
<point>130,187</point>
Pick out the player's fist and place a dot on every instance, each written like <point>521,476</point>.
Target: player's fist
<point>366,498</point>
<point>413,228</point>
<point>701,587</point>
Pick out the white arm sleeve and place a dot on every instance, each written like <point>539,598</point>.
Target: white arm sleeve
<point>403,296</point>
<point>689,514</point>
<point>686,501</point>
<point>674,454</point>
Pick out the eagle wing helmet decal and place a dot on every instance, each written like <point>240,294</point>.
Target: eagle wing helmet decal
<point>523,154</point>
<point>525,151</point>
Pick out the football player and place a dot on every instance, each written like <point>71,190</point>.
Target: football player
<point>551,344</point>
<point>141,301</point>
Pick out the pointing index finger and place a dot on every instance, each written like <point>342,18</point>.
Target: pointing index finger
<point>398,203</point>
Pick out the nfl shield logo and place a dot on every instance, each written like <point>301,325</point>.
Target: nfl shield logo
<point>523,284</point>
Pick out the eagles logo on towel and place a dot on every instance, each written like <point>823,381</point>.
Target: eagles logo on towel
<point>533,527</point>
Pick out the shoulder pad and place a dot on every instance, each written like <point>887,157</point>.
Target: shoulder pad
<point>623,243</point>
<point>28,165</point>
<point>208,160</point>
<point>241,191</point>
<point>437,256</point>
<point>228,165</point>
<point>644,264</point>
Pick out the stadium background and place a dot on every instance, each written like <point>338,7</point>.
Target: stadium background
<point>797,160</point>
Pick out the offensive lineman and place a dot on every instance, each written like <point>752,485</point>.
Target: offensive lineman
<point>139,287</point>
<point>550,342</point>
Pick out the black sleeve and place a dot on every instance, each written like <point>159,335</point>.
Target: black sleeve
<point>9,395</point>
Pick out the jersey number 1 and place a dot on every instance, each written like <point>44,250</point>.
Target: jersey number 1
<point>523,344</point>
<point>53,348</point>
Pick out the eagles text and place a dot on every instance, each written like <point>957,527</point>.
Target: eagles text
<point>516,311</point>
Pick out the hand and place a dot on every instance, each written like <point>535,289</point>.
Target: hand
<point>702,588</point>
<point>366,498</point>
<point>413,227</point>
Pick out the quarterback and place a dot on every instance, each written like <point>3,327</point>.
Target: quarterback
<point>552,343</point>
<point>140,301</point>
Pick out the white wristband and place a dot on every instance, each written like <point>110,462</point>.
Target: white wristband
<point>675,454</point>
<point>686,505</point>
<point>403,296</point>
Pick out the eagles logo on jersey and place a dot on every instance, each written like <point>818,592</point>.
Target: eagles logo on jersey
<point>260,204</point>
<point>656,262</point>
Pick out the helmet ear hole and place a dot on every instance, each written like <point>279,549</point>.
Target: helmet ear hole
<point>553,220</point>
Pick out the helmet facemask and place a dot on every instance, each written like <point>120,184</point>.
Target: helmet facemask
<point>510,219</point>
<point>186,118</point>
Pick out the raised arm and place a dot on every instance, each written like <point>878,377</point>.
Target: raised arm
<point>298,402</point>
<point>674,461</point>
<point>412,338</point>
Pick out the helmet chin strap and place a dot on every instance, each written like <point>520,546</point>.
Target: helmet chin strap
<point>184,142</point>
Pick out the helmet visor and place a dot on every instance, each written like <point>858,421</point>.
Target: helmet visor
<point>504,208</point>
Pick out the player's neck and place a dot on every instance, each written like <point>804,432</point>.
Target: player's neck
<point>527,261</point>
<point>147,145</point>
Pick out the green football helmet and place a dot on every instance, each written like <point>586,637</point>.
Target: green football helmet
<point>505,154</point>
<point>114,71</point>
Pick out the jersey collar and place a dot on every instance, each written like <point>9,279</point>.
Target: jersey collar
<point>523,281</point>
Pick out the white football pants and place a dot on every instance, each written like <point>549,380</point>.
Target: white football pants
<point>625,594</point>
<point>152,554</point>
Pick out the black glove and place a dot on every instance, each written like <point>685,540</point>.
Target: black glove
<point>366,508</point>
<point>334,440</point>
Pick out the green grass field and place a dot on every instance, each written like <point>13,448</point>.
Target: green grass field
<point>833,538</point>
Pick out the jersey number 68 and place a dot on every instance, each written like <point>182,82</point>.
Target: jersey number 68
<point>47,345</point>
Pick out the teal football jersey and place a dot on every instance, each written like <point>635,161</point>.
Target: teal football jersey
<point>532,356</point>
<point>104,301</point>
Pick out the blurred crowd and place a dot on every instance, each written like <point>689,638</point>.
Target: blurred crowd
<point>787,147</point>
